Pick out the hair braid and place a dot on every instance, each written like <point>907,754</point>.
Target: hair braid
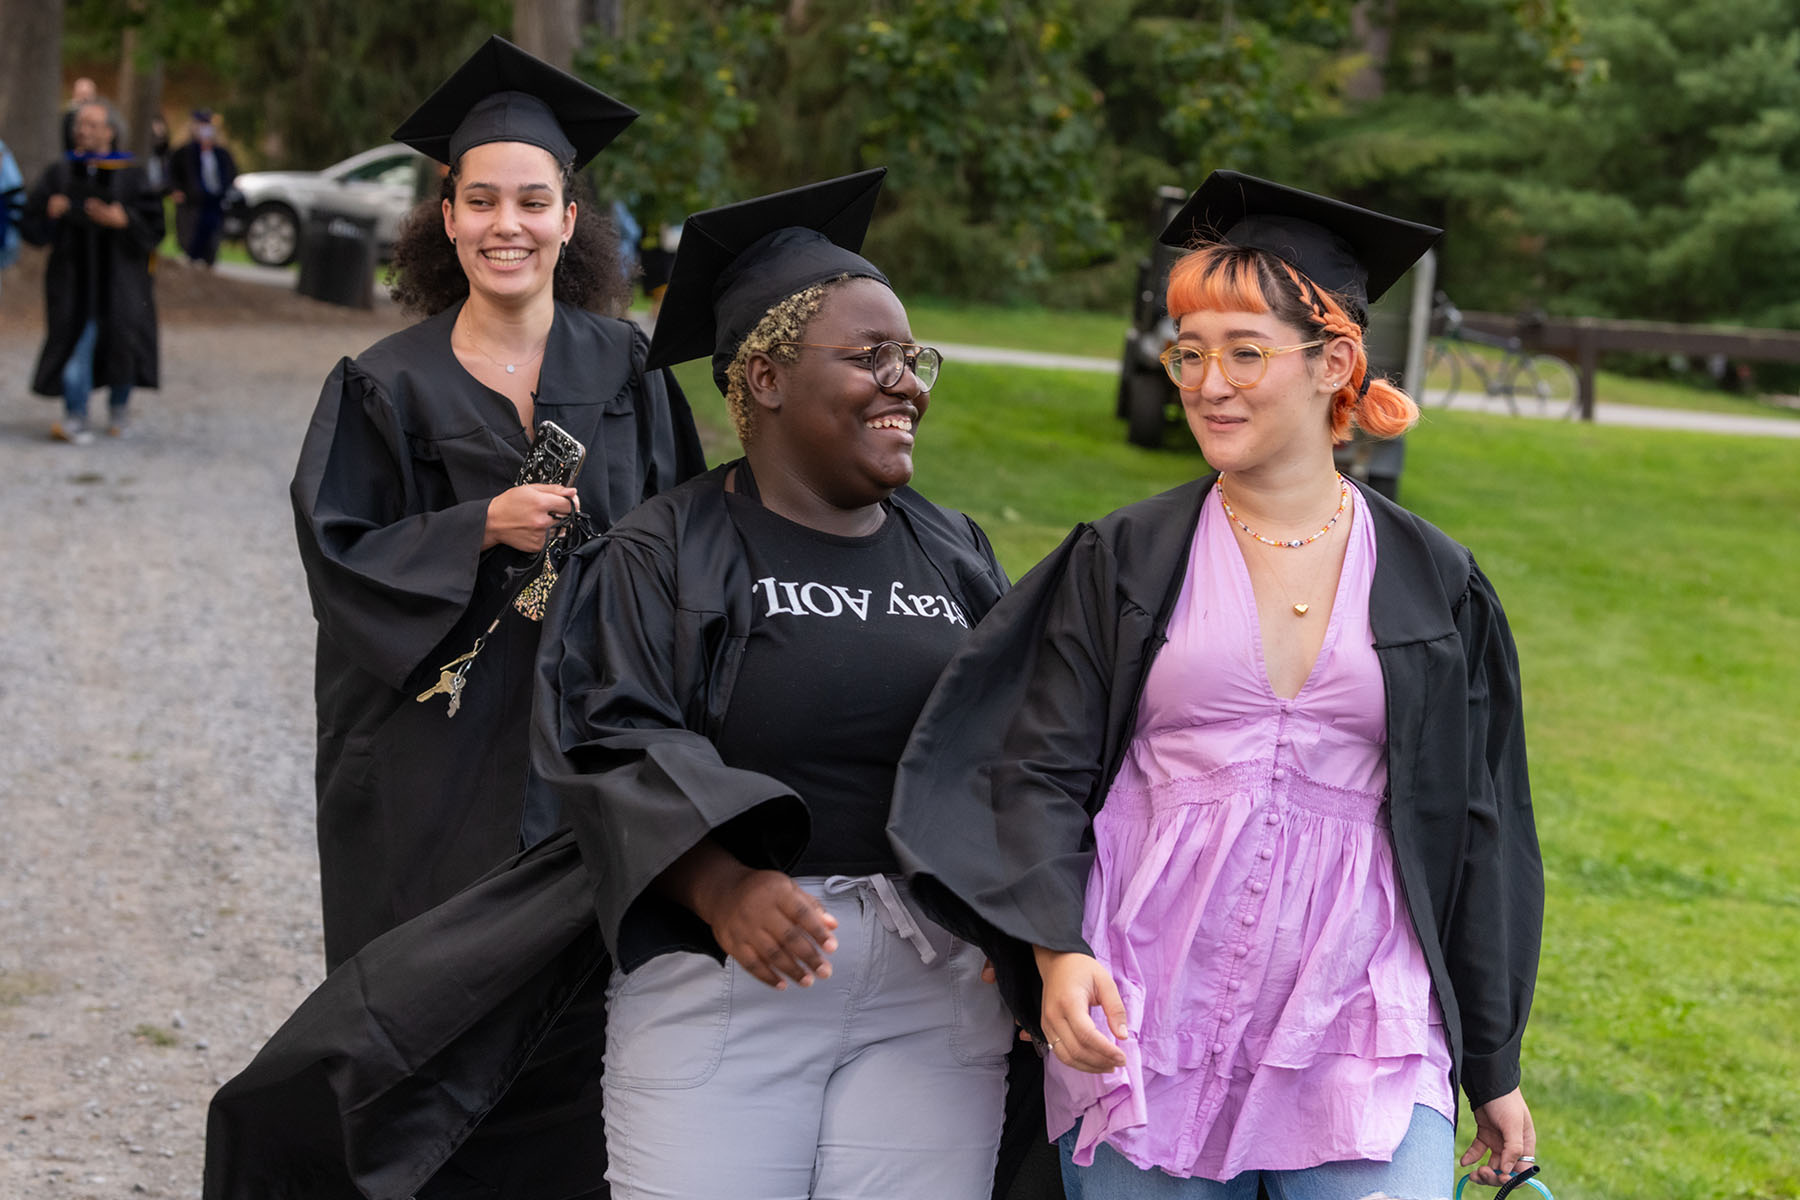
<point>1224,277</point>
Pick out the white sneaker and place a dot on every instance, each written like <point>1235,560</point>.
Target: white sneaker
<point>76,433</point>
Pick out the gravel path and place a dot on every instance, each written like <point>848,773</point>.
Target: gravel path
<point>158,880</point>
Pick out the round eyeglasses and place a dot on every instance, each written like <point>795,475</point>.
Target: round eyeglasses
<point>890,361</point>
<point>1243,364</point>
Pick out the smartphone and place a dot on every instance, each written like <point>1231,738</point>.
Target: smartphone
<point>555,457</point>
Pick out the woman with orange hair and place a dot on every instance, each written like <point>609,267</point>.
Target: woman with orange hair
<point>1240,769</point>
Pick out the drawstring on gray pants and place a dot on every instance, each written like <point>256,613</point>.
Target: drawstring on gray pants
<point>888,906</point>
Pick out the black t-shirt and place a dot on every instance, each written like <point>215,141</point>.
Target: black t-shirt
<point>847,637</point>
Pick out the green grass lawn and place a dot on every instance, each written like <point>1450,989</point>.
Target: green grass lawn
<point>1651,581</point>
<point>1051,331</point>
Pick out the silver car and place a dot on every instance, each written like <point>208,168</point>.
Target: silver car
<point>379,183</point>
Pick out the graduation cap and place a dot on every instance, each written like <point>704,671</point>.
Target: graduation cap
<point>503,94</point>
<point>1352,252</point>
<point>737,262</point>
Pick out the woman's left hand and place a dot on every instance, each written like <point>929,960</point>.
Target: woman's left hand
<point>1503,1131</point>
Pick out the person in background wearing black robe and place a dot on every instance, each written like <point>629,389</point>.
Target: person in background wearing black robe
<point>410,526</point>
<point>102,220</point>
<point>1094,679</point>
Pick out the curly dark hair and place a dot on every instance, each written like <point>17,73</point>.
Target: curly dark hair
<point>427,278</point>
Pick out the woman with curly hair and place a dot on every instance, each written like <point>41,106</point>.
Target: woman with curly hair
<point>1232,787</point>
<point>741,661</point>
<point>413,527</point>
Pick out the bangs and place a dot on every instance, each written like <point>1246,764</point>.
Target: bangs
<point>1217,278</point>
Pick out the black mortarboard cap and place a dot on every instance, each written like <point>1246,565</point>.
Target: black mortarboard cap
<point>737,262</point>
<point>503,94</point>
<point>1350,251</point>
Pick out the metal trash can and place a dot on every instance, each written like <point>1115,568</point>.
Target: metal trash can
<point>337,258</point>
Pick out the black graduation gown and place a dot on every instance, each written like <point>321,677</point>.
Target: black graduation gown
<point>403,1051</point>
<point>390,498</point>
<point>623,736</point>
<point>1015,751</point>
<point>97,273</point>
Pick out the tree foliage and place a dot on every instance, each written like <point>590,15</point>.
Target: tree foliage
<point>1628,157</point>
<point>310,80</point>
<point>1642,161</point>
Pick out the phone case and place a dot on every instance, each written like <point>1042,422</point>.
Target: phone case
<point>555,457</point>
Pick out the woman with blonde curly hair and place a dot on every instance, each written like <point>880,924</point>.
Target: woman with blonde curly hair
<point>742,660</point>
<point>1239,770</point>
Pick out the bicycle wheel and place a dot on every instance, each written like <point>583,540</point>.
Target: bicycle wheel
<point>1443,374</point>
<point>1544,386</point>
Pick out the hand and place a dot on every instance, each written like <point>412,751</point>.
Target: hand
<point>112,215</point>
<point>522,517</point>
<point>180,197</point>
<point>56,206</point>
<point>774,930</point>
<point>1073,984</point>
<point>1503,1131</point>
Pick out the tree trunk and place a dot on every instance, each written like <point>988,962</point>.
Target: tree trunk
<point>140,92</point>
<point>31,81</point>
<point>549,29</point>
<point>609,15</point>
<point>1371,24</point>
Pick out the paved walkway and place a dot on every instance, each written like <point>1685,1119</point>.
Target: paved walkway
<point>1604,413</point>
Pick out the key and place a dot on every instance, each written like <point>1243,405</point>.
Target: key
<point>447,681</point>
<point>450,678</point>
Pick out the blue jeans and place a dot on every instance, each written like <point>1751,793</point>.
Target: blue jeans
<point>1421,1170</point>
<point>78,379</point>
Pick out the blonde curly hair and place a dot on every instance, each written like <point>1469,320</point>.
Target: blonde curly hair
<point>785,322</point>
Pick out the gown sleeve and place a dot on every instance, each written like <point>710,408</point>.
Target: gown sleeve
<point>35,223</point>
<point>619,742</point>
<point>388,583</point>
<point>674,451</point>
<point>144,214</point>
<point>1496,925</point>
<point>992,816</point>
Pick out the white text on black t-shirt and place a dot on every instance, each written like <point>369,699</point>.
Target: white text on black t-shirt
<point>784,598</point>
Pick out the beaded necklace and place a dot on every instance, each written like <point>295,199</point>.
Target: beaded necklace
<point>1297,543</point>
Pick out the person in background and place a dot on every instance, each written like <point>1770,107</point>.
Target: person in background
<point>12,206</point>
<point>156,162</point>
<point>81,92</point>
<point>96,211</point>
<point>201,172</point>
<point>1241,769</point>
<point>656,255</point>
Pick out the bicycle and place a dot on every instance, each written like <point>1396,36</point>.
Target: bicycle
<point>1538,385</point>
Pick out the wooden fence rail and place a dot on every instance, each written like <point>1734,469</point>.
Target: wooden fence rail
<point>1580,340</point>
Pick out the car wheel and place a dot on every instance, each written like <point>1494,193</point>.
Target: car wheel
<point>273,235</point>
<point>1147,416</point>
